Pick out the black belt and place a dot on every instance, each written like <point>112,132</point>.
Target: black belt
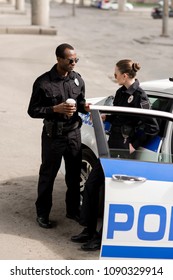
<point>54,128</point>
<point>63,128</point>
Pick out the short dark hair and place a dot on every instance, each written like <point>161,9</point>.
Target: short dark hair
<point>61,49</point>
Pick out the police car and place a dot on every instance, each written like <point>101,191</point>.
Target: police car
<point>138,206</point>
<point>160,93</point>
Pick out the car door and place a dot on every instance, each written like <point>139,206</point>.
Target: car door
<point>138,203</point>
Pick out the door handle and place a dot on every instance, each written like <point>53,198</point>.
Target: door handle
<point>124,178</point>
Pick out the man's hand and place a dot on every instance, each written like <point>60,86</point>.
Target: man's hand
<point>87,107</point>
<point>64,108</point>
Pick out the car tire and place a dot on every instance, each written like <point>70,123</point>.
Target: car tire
<point>88,161</point>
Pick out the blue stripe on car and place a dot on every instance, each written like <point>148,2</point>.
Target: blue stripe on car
<point>136,252</point>
<point>149,170</point>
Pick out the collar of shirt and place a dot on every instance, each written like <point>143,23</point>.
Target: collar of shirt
<point>133,87</point>
<point>54,75</point>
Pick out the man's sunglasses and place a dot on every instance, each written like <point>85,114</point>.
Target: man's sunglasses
<point>72,60</point>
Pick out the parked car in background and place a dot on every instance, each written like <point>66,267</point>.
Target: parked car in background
<point>157,12</point>
<point>109,5</point>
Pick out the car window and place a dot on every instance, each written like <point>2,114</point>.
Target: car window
<point>154,149</point>
<point>161,104</point>
<point>142,154</point>
<point>158,149</point>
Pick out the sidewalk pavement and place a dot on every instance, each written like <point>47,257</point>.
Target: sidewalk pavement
<point>21,23</point>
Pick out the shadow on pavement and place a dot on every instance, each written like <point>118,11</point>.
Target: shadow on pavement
<point>22,238</point>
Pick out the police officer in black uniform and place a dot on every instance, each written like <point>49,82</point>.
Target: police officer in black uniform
<point>126,135</point>
<point>61,131</point>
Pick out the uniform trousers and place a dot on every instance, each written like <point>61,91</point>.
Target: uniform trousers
<point>67,146</point>
<point>95,184</point>
<point>91,198</point>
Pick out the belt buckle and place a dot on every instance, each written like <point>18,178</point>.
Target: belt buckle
<point>59,131</point>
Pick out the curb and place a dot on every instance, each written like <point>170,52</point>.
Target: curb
<point>37,30</point>
<point>159,40</point>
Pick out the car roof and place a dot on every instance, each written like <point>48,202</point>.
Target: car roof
<point>162,86</point>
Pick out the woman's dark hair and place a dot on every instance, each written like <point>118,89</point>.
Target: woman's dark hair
<point>128,66</point>
<point>61,49</point>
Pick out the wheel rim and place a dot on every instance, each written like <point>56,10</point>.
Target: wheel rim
<point>85,171</point>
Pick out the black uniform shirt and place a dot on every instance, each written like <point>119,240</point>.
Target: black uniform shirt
<point>50,89</point>
<point>136,97</point>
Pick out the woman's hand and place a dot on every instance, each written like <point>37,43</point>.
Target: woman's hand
<point>103,116</point>
<point>131,148</point>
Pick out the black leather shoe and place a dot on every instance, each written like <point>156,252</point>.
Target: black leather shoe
<point>92,245</point>
<point>44,222</point>
<point>73,217</point>
<point>81,237</point>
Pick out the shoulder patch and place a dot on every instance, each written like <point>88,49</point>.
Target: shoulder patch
<point>145,104</point>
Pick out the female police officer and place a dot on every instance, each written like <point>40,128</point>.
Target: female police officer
<point>123,138</point>
<point>61,131</point>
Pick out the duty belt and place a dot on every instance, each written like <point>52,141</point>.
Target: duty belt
<point>62,128</point>
<point>54,128</point>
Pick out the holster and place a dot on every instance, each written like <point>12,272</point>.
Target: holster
<point>56,128</point>
<point>49,127</point>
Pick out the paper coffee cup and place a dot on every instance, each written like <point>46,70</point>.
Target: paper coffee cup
<point>71,101</point>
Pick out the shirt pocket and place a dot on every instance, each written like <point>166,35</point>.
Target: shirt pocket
<point>53,95</point>
<point>75,91</point>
